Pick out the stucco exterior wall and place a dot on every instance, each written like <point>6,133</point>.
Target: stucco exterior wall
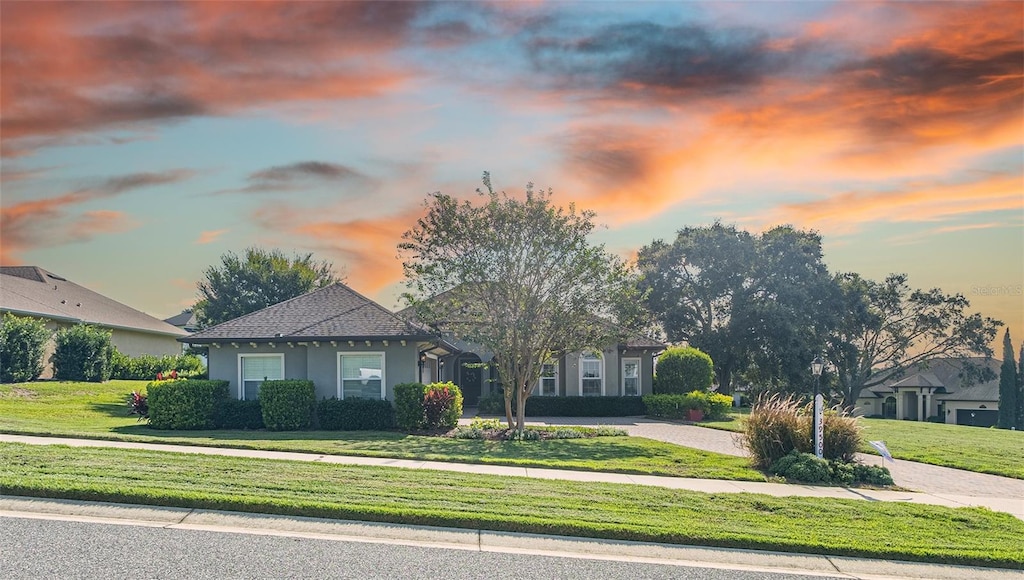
<point>953,406</point>
<point>134,343</point>
<point>317,363</point>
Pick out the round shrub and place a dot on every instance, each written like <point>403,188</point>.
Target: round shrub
<point>684,369</point>
<point>872,475</point>
<point>22,343</point>
<point>802,467</point>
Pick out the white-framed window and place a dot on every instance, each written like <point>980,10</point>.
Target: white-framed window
<point>361,375</point>
<point>253,369</point>
<point>591,374</point>
<point>548,384</point>
<point>631,377</point>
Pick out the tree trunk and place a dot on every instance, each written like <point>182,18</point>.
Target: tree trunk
<point>725,381</point>
<point>508,408</point>
<point>521,413</point>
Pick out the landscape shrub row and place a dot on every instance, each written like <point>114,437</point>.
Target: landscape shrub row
<point>288,405</point>
<point>494,404</point>
<point>146,367</point>
<point>807,468</point>
<point>711,405</point>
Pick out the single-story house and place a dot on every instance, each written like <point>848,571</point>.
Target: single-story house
<point>350,346</point>
<point>347,344</point>
<point>935,390</point>
<point>33,291</point>
<point>625,368</point>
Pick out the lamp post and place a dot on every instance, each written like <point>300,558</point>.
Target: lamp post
<point>819,425</point>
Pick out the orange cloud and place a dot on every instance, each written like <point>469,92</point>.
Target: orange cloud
<point>210,236</point>
<point>44,222</point>
<point>69,67</point>
<point>916,202</point>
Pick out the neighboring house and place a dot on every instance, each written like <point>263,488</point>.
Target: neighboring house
<point>32,291</point>
<point>611,370</point>
<point>186,321</point>
<point>347,344</point>
<point>935,390</point>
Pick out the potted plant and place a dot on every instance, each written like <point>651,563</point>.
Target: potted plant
<point>695,405</point>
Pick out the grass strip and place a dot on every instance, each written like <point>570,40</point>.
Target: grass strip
<point>965,536</point>
<point>992,451</point>
<point>98,411</point>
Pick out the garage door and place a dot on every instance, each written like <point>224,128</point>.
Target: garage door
<point>977,417</point>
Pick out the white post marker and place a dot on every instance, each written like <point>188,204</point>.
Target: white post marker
<point>819,427</point>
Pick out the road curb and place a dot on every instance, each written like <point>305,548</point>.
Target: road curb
<point>484,540</point>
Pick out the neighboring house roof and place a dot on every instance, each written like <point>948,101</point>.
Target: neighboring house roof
<point>186,320</point>
<point>944,376</point>
<point>333,312</point>
<point>33,291</point>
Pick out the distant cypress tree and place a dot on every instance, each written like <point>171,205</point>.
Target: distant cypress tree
<point>1008,386</point>
<point>1020,390</point>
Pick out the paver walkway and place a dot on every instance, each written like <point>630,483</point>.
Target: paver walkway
<point>920,477</point>
<point>1014,506</point>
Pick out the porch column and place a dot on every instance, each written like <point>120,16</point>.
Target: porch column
<point>921,404</point>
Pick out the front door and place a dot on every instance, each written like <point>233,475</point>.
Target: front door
<point>470,380</point>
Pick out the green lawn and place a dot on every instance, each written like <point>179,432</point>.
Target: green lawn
<point>809,525</point>
<point>994,451</point>
<point>98,411</point>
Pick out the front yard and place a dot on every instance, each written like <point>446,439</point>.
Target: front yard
<point>628,512</point>
<point>993,451</point>
<point>95,410</point>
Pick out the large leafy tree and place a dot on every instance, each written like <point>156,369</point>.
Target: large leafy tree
<point>751,302</point>
<point>1008,386</point>
<point>886,328</point>
<point>518,276</point>
<point>259,278</point>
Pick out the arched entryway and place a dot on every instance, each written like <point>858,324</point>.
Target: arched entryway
<point>889,408</point>
<point>469,377</point>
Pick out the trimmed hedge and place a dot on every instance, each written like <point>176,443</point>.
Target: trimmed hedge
<point>355,415</point>
<point>145,367</point>
<point>236,414</point>
<point>682,370</point>
<point>22,344</point>
<point>185,404</point>
<point>582,406</point>
<point>713,405</point>
<point>288,405</point>
<point>82,353</point>
<point>409,405</point>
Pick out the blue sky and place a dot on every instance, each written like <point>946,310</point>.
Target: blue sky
<point>141,141</point>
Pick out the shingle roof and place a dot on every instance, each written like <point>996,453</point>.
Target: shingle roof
<point>32,291</point>
<point>332,312</point>
<point>944,373</point>
<point>185,319</point>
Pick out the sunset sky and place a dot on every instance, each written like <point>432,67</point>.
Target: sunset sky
<point>142,140</point>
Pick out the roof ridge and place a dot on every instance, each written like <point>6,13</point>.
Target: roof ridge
<point>253,313</point>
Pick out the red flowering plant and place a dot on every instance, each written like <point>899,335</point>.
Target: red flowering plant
<point>138,405</point>
<point>436,404</point>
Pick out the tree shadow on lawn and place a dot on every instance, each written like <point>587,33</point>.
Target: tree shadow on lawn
<point>118,410</point>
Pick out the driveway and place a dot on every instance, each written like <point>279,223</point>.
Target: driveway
<point>909,474</point>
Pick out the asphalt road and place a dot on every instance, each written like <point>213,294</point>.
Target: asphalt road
<point>39,548</point>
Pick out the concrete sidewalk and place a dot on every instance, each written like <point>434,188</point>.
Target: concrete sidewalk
<point>487,541</point>
<point>1014,506</point>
